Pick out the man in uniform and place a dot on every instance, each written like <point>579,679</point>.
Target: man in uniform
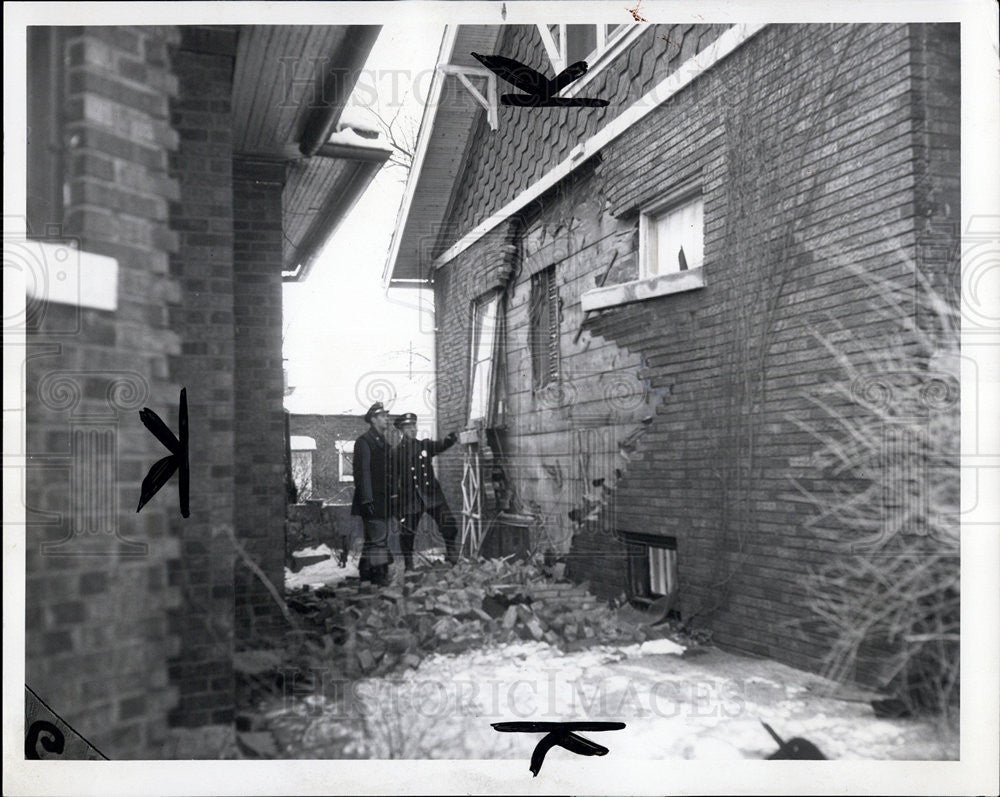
<point>373,494</point>
<point>419,490</point>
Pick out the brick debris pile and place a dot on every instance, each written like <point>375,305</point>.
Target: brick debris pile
<point>363,631</point>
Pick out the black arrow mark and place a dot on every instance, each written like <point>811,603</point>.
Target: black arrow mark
<point>559,734</point>
<point>161,471</point>
<point>797,748</point>
<point>540,90</point>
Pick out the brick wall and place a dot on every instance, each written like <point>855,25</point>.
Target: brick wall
<point>326,430</point>
<point>259,412</point>
<point>818,131</point>
<point>202,217</point>
<point>97,639</point>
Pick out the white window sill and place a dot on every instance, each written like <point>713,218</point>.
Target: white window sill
<point>61,274</point>
<point>639,290</point>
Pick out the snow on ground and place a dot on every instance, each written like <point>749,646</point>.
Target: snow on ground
<point>709,706</point>
<point>329,573</point>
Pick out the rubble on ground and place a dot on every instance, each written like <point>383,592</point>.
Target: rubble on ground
<point>354,630</point>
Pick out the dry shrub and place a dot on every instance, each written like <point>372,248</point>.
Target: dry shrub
<point>887,503</point>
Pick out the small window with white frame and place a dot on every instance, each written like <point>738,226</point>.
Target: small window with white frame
<point>345,460</point>
<point>672,237</point>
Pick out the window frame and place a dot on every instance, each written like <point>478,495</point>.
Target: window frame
<point>650,286</point>
<point>551,374</point>
<point>609,47</point>
<point>638,573</point>
<point>490,297</point>
<point>345,448</point>
<point>648,216</point>
<point>304,490</point>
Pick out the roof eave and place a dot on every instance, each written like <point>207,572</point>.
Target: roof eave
<point>389,278</point>
<point>339,203</point>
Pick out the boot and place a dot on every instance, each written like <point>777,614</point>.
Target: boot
<point>406,544</point>
<point>380,575</point>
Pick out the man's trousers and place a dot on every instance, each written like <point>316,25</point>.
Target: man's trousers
<point>446,522</point>
<point>375,555</point>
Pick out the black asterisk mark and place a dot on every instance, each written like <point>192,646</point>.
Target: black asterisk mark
<point>160,472</point>
<point>559,734</point>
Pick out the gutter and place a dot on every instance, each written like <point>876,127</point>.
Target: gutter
<point>337,206</point>
<point>351,59</point>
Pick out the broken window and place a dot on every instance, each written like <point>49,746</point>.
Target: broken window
<point>672,238</point>
<point>652,566</point>
<point>544,328</point>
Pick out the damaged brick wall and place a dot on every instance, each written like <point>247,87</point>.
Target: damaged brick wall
<point>96,593</point>
<point>805,145</point>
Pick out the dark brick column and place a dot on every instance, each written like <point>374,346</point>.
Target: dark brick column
<point>259,419</point>
<point>203,265</point>
<point>96,593</point>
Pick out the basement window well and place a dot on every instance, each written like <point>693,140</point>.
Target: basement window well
<point>652,567</point>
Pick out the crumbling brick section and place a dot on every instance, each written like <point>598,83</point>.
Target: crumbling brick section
<point>854,131</point>
<point>97,640</point>
<point>202,218</point>
<point>259,411</point>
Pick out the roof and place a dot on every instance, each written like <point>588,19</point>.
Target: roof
<point>448,120</point>
<point>466,180</point>
<point>290,86</point>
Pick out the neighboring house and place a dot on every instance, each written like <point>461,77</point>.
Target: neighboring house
<point>176,176</point>
<point>625,297</point>
<point>325,448</point>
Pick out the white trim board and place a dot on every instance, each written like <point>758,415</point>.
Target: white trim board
<point>642,289</point>
<point>423,142</point>
<point>728,42</point>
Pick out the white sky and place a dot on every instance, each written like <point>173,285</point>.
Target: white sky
<point>348,343</point>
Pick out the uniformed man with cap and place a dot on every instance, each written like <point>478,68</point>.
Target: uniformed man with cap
<point>419,490</point>
<point>373,494</point>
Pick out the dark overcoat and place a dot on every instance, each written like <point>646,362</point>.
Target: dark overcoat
<point>418,488</point>
<point>373,474</point>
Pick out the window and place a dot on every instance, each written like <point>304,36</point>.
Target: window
<point>302,448</point>
<point>485,334</point>
<point>45,155</point>
<point>544,328</point>
<point>567,44</point>
<point>671,253</point>
<point>652,567</point>
<point>345,460</point>
<point>672,239</point>
<point>302,474</point>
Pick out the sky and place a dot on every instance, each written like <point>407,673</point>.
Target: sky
<point>347,342</point>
